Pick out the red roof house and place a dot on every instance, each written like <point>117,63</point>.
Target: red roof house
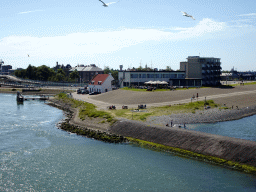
<point>101,83</point>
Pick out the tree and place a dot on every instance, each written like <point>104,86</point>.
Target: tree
<point>168,68</point>
<point>74,75</point>
<point>20,73</point>
<point>139,68</point>
<point>60,76</point>
<point>29,72</point>
<point>43,73</point>
<point>107,70</point>
<point>114,74</point>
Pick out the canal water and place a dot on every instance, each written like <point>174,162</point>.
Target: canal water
<point>37,156</point>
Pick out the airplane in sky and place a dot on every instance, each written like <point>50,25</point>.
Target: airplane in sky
<point>187,15</point>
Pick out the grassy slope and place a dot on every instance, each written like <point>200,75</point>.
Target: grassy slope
<point>87,109</point>
<point>164,110</point>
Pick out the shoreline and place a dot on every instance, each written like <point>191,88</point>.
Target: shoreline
<point>180,141</point>
<point>200,146</point>
<point>214,115</point>
<point>69,124</point>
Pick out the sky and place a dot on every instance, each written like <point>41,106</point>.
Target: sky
<point>131,33</point>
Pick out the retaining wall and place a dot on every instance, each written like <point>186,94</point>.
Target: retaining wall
<point>238,150</point>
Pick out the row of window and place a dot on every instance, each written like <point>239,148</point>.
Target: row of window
<point>172,76</point>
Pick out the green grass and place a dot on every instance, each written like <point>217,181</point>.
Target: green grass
<point>163,110</point>
<point>86,109</point>
<point>186,153</point>
<point>252,83</point>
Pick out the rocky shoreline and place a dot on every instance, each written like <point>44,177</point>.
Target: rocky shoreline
<point>82,129</point>
<point>235,153</point>
<point>203,116</point>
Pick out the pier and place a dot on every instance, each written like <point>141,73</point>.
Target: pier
<point>21,98</point>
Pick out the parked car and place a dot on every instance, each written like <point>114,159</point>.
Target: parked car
<point>78,91</point>
<point>84,91</point>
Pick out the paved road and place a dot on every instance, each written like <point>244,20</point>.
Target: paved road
<point>241,96</point>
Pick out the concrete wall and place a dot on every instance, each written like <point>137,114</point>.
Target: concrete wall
<point>238,150</point>
<point>194,69</point>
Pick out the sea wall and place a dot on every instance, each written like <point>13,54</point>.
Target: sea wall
<point>237,150</point>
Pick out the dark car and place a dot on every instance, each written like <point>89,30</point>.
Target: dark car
<point>92,93</point>
<point>78,91</point>
<point>84,91</point>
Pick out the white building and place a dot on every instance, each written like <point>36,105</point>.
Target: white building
<point>138,78</point>
<point>101,83</point>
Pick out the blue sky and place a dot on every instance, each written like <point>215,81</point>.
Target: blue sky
<point>129,33</point>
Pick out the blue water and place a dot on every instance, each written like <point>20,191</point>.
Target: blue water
<point>243,128</point>
<point>37,156</point>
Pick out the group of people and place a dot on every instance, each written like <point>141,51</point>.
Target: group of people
<point>167,125</point>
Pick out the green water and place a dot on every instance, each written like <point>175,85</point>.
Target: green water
<point>37,156</point>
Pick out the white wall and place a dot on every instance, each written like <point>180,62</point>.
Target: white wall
<point>102,88</point>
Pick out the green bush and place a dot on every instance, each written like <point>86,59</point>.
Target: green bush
<point>62,96</point>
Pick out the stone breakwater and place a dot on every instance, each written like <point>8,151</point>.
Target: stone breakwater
<point>83,130</point>
<point>232,149</point>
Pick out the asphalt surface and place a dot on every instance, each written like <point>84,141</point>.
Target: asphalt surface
<point>241,96</point>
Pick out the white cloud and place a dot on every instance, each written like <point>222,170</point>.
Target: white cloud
<point>94,43</point>
<point>249,14</point>
<point>25,12</point>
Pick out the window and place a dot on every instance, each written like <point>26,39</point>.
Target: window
<point>143,75</point>
<point>134,75</point>
<point>148,75</point>
<point>139,75</point>
<point>180,75</point>
<point>157,75</point>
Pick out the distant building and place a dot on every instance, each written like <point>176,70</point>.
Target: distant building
<point>87,72</point>
<point>5,69</point>
<point>1,63</point>
<point>206,68</point>
<point>138,78</point>
<point>101,83</point>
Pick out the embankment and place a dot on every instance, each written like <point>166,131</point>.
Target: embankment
<point>232,149</point>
